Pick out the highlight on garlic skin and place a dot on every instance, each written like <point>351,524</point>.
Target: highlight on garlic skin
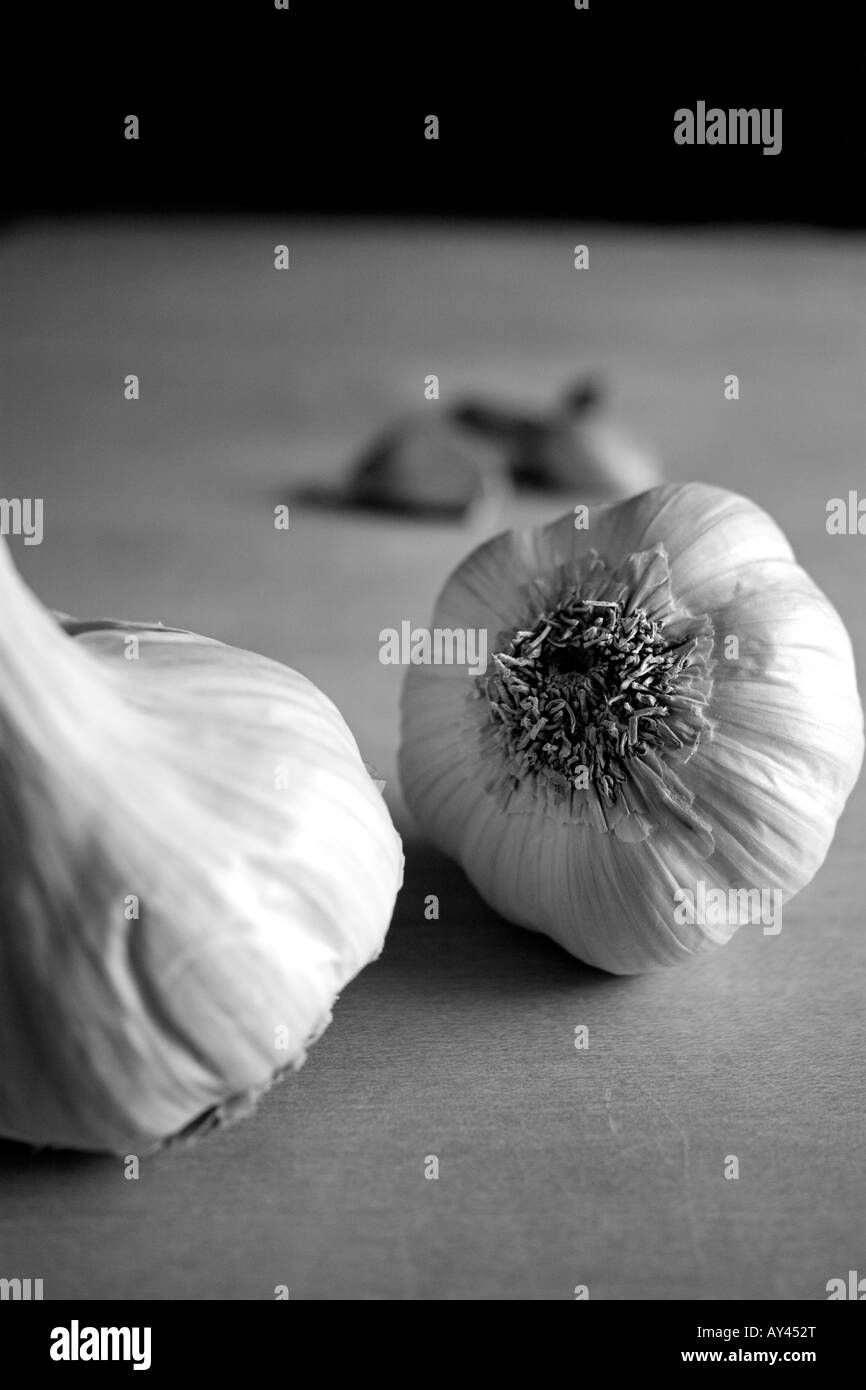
<point>669,714</point>
<point>194,861</point>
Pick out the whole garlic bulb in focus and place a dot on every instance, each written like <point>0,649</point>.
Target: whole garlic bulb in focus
<point>622,755</point>
<point>193,861</point>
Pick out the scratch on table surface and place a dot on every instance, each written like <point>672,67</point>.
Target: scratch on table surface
<point>688,1196</point>
<point>614,1127</point>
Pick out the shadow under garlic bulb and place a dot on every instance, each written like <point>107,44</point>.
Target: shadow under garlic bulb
<point>622,752</point>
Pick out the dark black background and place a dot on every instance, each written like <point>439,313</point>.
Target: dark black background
<point>544,112</point>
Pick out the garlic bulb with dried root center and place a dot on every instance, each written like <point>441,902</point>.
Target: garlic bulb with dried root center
<point>193,861</point>
<point>669,720</point>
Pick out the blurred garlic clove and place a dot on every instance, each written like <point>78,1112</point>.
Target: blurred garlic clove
<point>584,453</point>
<point>514,430</point>
<point>590,458</point>
<point>426,466</point>
<point>193,861</point>
<point>570,448</point>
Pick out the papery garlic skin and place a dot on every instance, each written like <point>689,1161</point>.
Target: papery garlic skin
<point>770,747</point>
<point>226,794</point>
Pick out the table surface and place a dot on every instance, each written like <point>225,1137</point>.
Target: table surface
<point>603,1167</point>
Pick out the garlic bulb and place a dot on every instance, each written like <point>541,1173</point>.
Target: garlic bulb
<point>669,718</point>
<point>193,862</point>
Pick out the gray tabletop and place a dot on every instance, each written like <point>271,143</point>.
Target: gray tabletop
<point>603,1167</point>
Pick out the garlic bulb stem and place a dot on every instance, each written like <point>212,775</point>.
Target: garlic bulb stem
<point>29,635</point>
